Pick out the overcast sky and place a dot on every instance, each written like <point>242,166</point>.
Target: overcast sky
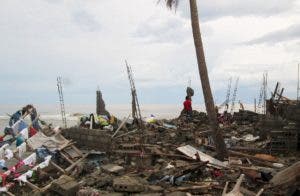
<point>87,42</point>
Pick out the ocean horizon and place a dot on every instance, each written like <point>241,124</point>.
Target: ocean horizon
<point>51,112</point>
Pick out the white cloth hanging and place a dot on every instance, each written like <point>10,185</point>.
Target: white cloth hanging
<point>24,133</point>
<point>19,126</point>
<point>43,164</point>
<point>8,154</point>
<point>22,149</point>
<point>2,163</point>
<point>23,177</point>
<point>3,189</point>
<point>30,160</point>
<point>28,174</point>
<point>2,149</point>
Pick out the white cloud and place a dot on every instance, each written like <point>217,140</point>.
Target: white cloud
<point>88,41</point>
<point>163,28</point>
<point>287,34</point>
<point>85,21</point>
<point>214,9</point>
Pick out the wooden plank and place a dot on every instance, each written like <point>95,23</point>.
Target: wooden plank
<point>57,167</point>
<point>188,188</point>
<point>32,186</point>
<point>287,176</point>
<point>254,159</point>
<point>120,127</point>
<point>76,163</point>
<point>45,188</point>
<point>77,150</point>
<point>65,145</point>
<point>65,156</point>
<point>127,133</point>
<point>71,152</point>
<point>9,193</point>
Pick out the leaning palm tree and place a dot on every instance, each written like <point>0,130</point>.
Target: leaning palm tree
<point>208,98</point>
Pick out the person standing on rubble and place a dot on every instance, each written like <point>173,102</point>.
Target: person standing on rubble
<point>187,104</point>
<point>17,115</point>
<point>28,109</point>
<point>34,118</point>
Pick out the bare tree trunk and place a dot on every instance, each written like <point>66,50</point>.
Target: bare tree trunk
<point>208,98</point>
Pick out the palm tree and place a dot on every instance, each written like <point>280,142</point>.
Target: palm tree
<point>208,98</point>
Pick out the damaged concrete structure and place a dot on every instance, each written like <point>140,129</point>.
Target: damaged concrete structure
<point>100,104</point>
<point>287,136</point>
<point>92,139</point>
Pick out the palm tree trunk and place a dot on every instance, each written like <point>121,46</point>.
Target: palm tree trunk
<point>208,98</point>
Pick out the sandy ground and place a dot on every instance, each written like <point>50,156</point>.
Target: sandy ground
<point>50,113</point>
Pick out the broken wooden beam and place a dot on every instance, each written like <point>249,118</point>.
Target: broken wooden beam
<point>201,187</point>
<point>68,170</point>
<point>120,127</point>
<point>287,177</point>
<point>57,167</point>
<point>66,157</point>
<point>32,186</point>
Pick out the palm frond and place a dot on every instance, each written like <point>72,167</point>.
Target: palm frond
<point>172,3</point>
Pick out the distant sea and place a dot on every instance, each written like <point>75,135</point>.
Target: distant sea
<point>51,113</point>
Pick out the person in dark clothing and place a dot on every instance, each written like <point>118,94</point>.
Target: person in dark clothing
<point>34,119</point>
<point>28,109</point>
<point>187,104</point>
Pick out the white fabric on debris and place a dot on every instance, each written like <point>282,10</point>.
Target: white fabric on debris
<point>247,138</point>
<point>8,154</point>
<point>23,177</point>
<point>28,174</point>
<point>2,149</point>
<point>2,163</point>
<point>52,143</point>
<point>19,126</point>
<point>44,163</point>
<point>36,141</point>
<point>24,133</point>
<point>30,160</point>
<point>3,189</point>
<point>22,149</point>
<point>108,127</point>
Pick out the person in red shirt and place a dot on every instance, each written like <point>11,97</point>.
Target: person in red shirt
<point>187,104</point>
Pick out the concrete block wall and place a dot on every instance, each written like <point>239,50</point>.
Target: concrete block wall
<point>91,139</point>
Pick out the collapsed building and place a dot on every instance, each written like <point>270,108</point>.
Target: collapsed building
<point>172,157</point>
<point>108,156</point>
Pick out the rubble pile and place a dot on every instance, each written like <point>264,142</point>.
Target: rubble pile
<point>164,157</point>
<point>244,117</point>
<point>174,156</point>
